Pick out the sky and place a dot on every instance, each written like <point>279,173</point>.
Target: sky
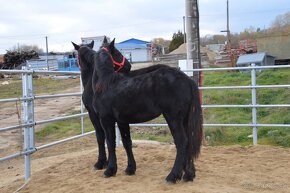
<point>62,21</point>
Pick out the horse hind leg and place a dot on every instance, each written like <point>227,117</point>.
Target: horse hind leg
<point>189,171</point>
<point>127,143</point>
<point>180,139</point>
<point>188,168</point>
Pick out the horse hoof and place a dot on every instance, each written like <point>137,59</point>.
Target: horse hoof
<point>100,165</point>
<point>187,177</point>
<point>110,172</point>
<point>169,183</point>
<point>172,179</point>
<point>130,171</point>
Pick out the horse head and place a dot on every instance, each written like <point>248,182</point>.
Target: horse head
<point>86,59</point>
<point>85,56</point>
<point>120,62</point>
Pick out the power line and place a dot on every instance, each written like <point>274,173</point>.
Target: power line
<point>245,12</point>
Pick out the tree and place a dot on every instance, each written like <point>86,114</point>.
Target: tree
<point>162,42</point>
<point>13,59</point>
<point>27,48</point>
<point>213,39</point>
<point>177,40</point>
<point>281,23</point>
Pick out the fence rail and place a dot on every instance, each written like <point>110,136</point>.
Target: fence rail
<point>28,108</point>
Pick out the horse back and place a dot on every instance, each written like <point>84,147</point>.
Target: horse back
<point>144,97</point>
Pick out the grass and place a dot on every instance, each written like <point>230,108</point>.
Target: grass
<point>62,129</point>
<point>238,135</point>
<point>165,138</point>
<point>40,86</point>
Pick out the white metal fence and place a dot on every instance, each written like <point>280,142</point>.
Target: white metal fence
<point>29,123</point>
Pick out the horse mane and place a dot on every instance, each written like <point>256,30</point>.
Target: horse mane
<point>87,57</point>
<point>104,73</point>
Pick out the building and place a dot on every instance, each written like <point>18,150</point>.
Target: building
<point>278,45</point>
<point>135,50</point>
<point>98,40</point>
<point>259,58</point>
<point>216,47</point>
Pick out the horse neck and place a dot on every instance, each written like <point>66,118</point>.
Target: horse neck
<point>87,70</point>
<point>86,78</point>
<point>104,73</point>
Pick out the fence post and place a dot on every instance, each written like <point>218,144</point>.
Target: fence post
<point>117,136</point>
<point>254,102</point>
<point>82,105</point>
<point>28,118</point>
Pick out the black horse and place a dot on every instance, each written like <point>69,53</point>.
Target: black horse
<point>87,97</point>
<point>132,99</point>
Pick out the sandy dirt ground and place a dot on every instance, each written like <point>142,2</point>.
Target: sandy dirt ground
<point>44,109</point>
<point>68,168</point>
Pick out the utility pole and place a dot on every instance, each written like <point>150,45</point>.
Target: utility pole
<point>184,33</point>
<point>46,52</point>
<point>192,36</point>
<point>229,43</point>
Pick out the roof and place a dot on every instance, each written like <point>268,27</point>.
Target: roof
<point>253,58</point>
<point>132,44</point>
<point>134,41</point>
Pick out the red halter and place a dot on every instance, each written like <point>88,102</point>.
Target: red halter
<point>78,61</point>
<point>115,63</point>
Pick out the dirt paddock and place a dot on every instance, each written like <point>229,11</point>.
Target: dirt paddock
<point>68,168</point>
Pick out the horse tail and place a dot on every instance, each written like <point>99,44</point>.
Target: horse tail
<point>195,124</point>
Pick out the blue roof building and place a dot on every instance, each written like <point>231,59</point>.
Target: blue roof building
<point>135,50</point>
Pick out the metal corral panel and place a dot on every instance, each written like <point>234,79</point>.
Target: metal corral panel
<point>68,64</point>
<point>42,64</point>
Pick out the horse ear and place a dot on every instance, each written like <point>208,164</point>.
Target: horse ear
<point>112,44</point>
<point>77,47</point>
<point>105,41</point>
<point>91,45</point>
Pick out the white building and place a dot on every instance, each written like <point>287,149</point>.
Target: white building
<point>135,50</point>
<point>98,40</point>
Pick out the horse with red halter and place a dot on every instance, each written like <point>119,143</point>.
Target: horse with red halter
<point>122,67</point>
<point>125,98</point>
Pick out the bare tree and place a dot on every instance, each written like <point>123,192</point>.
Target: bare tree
<point>27,48</point>
<point>281,23</point>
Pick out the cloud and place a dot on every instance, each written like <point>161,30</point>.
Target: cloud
<point>29,21</point>
<point>3,28</point>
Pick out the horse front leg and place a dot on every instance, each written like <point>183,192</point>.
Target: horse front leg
<point>100,135</point>
<point>127,143</point>
<point>102,158</point>
<point>109,128</point>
